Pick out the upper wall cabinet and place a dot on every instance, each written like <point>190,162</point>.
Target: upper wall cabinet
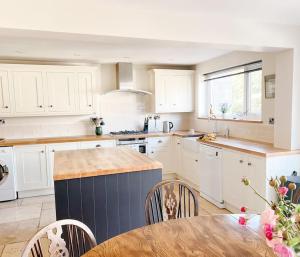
<point>44,90</point>
<point>173,90</point>
<point>5,102</point>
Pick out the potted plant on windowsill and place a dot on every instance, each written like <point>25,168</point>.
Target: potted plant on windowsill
<point>98,122</point>
<point>281,219</point>
<point>224,109</point>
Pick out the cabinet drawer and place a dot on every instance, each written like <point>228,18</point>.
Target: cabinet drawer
<point>97,144</point>
<point>159,141</point>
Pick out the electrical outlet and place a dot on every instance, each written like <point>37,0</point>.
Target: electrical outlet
<point>2,121</point>
<point>271,121</point>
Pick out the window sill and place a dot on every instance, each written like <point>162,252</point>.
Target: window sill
<point>233,120</point>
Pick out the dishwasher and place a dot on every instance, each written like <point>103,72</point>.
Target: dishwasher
<point>210,174</point>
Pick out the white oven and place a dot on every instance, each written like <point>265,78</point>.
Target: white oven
<point>138,144</point>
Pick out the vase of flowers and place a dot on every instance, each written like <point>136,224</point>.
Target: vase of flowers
<point>98,122</point>
<point>281,219</point>
<point>224,109</point>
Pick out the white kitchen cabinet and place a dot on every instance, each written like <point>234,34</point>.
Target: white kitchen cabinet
<point>190,167</point>
<point>28,92</point>
<point>236,166</point>
<point>47,90</point>
<point>51,149</point>
<point>161,149</point>
<point>5,95</point>
<point>61,91</point>
<point>177,156</point>
<point>31,167</point>
<point>173,90</point>
<point>86,92</point>
<point>97,144</point>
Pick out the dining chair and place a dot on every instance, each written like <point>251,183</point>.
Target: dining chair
<point>77,239</point>
<point>170,199</point>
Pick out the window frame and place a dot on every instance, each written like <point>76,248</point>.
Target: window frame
<point>247,114</point>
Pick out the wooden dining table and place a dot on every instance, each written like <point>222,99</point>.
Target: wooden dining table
<point>215,236</point>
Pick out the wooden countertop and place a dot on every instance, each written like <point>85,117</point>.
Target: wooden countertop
<point>250,147</point>
<point>101,161</point>
<point>53,140</point>
<point>210,236</point>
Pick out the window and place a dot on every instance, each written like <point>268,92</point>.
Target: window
<point>235,93</point>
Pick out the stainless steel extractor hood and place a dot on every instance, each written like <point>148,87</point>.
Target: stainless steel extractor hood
<point>125,79</point>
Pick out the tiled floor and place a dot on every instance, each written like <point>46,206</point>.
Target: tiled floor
<point>21,219</point>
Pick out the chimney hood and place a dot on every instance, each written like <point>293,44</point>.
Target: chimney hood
<point>125,79</point>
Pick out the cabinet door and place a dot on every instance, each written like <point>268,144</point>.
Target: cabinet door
<point>185,94</point>
<point>29,92</point>
<point>61,88</point>
<point>190,167</point>
<point>161,155</point>
<point>31,167</point>
<point>234,169</point>
<point>257,175</point>
<point>5,104</point>
<point>178,156</point>
<point>51,149</point>
<point>85,89</point>
<point>161,94</point>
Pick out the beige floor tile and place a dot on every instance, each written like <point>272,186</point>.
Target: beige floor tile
<point>18,231</point>
<point>38,200</point>
<point>9,204</point>
<point>13,250</point>
<point>47,217</point>
<point>203,212</point>
<point>48,205</point>
<point>20,213</point>
<point>1,249</point>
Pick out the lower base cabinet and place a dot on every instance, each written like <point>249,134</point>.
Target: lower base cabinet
<point>31,167</point>
<point>237,166</point>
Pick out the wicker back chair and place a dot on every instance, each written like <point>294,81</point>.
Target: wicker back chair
<point>170,199</point>
<point>78,239</point>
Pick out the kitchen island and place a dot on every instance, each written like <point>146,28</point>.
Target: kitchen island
<point>104,188</point>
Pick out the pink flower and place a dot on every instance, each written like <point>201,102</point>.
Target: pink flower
<point>283,251</point>
<point>268,231</point>
<point>283,191</point>
<point>243,209</point>
<point>242,221</point>
<point>268,217</point>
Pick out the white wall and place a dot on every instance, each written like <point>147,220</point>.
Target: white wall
<point>119,110</point>
<point>261,132</point>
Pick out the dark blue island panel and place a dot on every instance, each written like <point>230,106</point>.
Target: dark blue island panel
<point>109,204</point>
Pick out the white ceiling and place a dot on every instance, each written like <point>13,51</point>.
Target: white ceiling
<point>272,11</point>
<point>100,49</point>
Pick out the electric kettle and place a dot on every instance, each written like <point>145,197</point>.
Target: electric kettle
<point>167,126</point>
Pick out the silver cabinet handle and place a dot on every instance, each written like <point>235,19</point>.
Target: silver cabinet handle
<point>53,151</point>
<point>41,106</point>
<point>51,106</point>
<point>6,107</point>
<point>159,141</point>
<point>90,105</point>
<point>249,163</point>
<point>98,145</point>
<point>42,151</point>
<point>241,161</point>
<point>152,152</point>
<point>196,160</point>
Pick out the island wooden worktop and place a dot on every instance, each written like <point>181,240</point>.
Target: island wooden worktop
<point>103,161</point>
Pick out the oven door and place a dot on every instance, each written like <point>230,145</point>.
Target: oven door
<point>3,173</point>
